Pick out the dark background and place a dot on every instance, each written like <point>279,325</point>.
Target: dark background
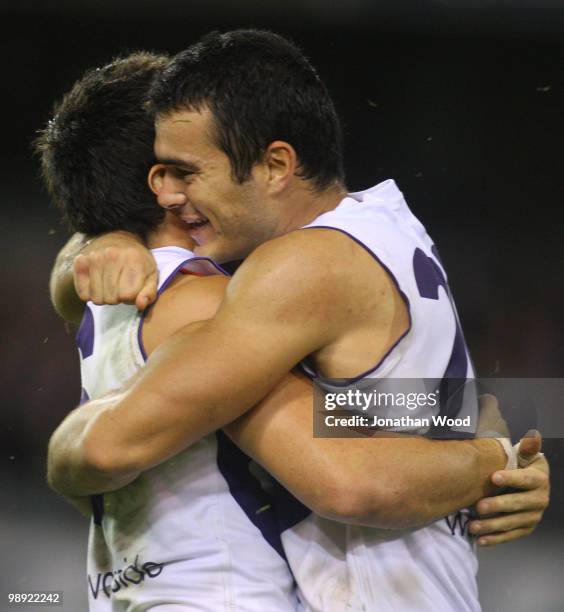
<point>460,102</point>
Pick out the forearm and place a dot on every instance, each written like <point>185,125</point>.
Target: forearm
<point>76,468</point>
<point>386,482</point>
<point>178,398</point>
<point>430,479</point>
<point>196,381</point>
<point>61,285</point>
<point>406,483</point>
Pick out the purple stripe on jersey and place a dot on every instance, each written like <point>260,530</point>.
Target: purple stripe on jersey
<point>97,504</point>
<point>140,333</point>
<point>429,277</point>
<point>173,274</point>
<point>307,369</point>
<point>246,490</point>
<point>164,286</point>
<point>84,396</point>
<point>85,333</point>
<point>289,511</point>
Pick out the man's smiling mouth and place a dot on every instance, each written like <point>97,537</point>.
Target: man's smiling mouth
<point>197,229</point>
<point>195,223</point>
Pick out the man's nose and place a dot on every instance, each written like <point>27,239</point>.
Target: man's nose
<point>167,186</point>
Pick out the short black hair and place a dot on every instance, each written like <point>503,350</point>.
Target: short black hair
<point>259,87</point>
<point>97,149</point>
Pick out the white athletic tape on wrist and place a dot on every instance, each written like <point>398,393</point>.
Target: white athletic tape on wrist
<point>514,458</point>
<point>512,453</point>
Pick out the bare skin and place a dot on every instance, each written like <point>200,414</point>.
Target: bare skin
<point>321,478</point>
<point>333,477</point>
<point>293,297</point>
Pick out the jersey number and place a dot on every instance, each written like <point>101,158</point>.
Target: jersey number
<point>429,277</point>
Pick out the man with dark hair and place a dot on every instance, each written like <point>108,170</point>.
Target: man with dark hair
<point>108,149</point>
<point>279,98</point>
<point>131,555</point>
<point>250,109</point>
<point>178,538</point>
<point>361,291</point>
<point>100,142</point>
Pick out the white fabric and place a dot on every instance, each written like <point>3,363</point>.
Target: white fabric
<point>177,530</point>
<point>511,452</point>
<point>353,568</point>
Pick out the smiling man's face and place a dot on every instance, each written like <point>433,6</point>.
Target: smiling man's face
<point>226,219</point>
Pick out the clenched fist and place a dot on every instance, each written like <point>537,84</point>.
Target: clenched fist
<point>116,268</point>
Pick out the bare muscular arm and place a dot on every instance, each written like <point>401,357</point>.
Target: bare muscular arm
<point>367,495</point>
<point>61,284</point>
<point>277,309</point>
<point>336,478</point>
<point>388,482</point>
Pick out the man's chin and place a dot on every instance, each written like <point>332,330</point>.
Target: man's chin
<point>209,250</point>
<point>200,250</point>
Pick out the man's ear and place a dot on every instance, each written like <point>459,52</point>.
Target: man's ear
<point>155,178</point>
<point>280,162</point>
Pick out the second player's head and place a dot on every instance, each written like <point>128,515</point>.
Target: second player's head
<point>98,147</point>
<point>242,121</point>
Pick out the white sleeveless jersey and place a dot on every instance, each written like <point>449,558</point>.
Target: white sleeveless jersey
<point>195,533</point>
<point>433,569</point>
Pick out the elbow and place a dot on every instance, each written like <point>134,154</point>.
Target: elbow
<point>86,468</point>
<point>383,505</point>
<point>105,458</point>
<point>57,464</point>
<point>55,479</point>
<point>98,458</point>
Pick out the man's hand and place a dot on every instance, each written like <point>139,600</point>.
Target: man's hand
<point>116,268</point>
<point>515,514</point>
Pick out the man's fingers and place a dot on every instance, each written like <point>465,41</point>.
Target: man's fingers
<point>115,275</point>
<point>526,479</point>
<point>131,281</point>
<point>513,502</point>
<point>148,293</point>
<point>95,272</point>
<point>81,269</point>
<point>500,538</point>
<point>515,514</point>
<point>505,522</point>
<point>110,276</point>
<point>138,281</point>
<point>530,445</point>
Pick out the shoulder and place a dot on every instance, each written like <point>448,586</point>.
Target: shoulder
<point>195,294</point>
<point>310,246</point>
<point>313,264</point>
<point>188,299</point>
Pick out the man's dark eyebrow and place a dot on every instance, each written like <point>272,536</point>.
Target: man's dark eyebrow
<point>180,163</point>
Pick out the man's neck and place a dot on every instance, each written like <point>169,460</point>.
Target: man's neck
<point>305,205</point>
